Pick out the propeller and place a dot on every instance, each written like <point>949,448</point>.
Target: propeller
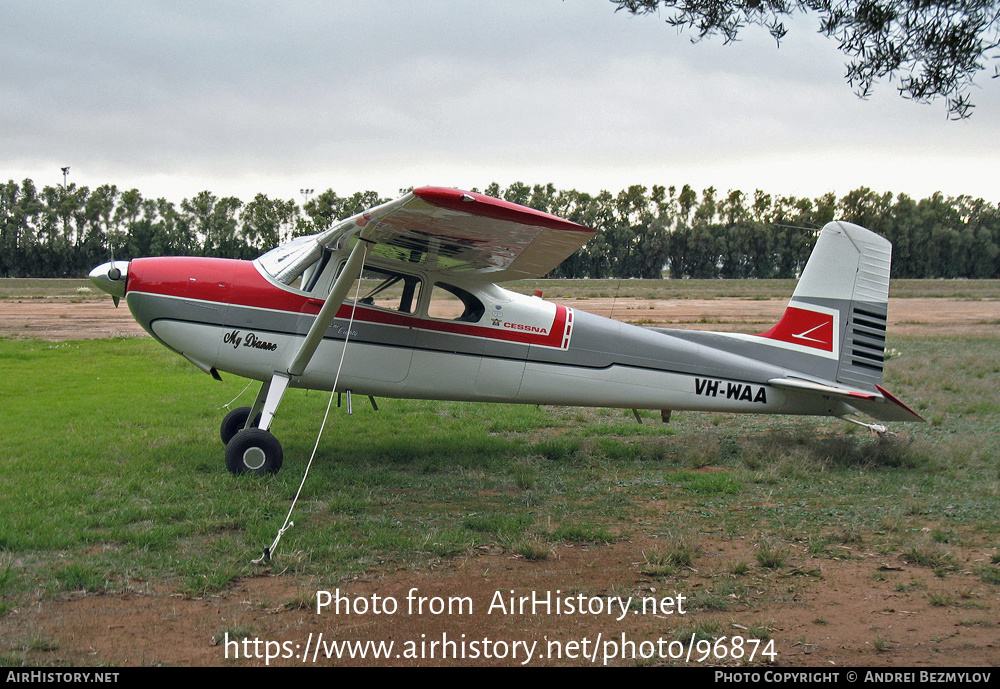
<point>111,277</point>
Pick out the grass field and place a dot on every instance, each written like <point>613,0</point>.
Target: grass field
<point>114,481</point>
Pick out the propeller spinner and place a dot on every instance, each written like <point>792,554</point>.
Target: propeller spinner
<point>111,277</point>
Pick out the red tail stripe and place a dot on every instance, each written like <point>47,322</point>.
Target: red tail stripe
<point>804,327</point>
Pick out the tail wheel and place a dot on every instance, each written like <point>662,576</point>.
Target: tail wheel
<point>253,451</point>
<point>236,421</point>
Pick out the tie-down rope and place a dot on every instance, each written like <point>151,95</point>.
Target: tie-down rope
<point>269,551</point>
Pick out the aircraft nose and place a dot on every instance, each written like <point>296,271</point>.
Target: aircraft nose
<point>111,277</point>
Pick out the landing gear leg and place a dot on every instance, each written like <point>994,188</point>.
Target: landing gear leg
<point>236,421</point>
<point>251,448</point>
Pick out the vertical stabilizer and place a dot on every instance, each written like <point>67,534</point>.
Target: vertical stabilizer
<point>838,311</point>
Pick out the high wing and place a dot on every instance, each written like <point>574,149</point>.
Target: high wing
<point>456,232</point>
<point>446,231</point>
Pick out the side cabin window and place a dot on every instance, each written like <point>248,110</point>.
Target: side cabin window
<point>455,304</point>
<point>386,289</point>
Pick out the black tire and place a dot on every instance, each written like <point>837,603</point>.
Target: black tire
<point>253,451</point>
<point>236,421</point>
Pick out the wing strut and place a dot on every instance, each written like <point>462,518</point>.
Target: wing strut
<point>350,273</point>
<point>280,380</point>
<point>354,266</point>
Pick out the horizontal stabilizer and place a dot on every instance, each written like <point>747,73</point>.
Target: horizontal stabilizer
<point>883,406</point>
<point>902,411</point>
<point>809,386</point>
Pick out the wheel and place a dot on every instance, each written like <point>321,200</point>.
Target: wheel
<point>253,451</point>
<point>236,421</point>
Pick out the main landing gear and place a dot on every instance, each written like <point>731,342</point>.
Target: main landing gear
<point>236,421</point>
<point>254,451</point>
<point>248,448</point>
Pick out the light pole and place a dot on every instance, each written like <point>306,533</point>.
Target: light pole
<point>65,211</point>
<point>306,193</point>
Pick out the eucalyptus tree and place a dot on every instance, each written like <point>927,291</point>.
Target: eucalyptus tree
<point>11,231</point>
<point>103,238</point>
<point>27,208</point>
<point>265,223</point>
<point>215,223</point>
<point>326,208</point>
<point>983,220</point>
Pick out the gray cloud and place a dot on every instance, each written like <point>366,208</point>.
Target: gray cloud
<point>244,97</point>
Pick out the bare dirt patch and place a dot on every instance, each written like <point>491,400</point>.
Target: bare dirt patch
<point>61,320</point>
<point>861,609</point>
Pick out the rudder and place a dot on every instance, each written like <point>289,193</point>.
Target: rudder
<point>839,308</point>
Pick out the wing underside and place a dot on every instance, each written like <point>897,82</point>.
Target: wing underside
<point>464,233</point>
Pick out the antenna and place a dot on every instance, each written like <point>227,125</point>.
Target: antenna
<point>796,227</point>
<point>615,300</point>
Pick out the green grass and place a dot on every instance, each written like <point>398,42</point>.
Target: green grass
<point>114,477</point>
<point>771,556</point>
<point>112,450</point>
<point>678,550</point>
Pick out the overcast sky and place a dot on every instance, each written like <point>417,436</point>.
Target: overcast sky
<point>245,97</point>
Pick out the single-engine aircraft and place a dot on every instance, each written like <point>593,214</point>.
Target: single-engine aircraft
<point>401,301</point>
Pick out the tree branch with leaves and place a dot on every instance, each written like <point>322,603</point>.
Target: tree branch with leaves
<point>934,48</point>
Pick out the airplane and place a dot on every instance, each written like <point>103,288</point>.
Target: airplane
<point>402,301</point>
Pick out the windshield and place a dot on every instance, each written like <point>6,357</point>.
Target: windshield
<point>289,262</point>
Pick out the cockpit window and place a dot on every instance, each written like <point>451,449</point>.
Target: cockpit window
<point>386,289</point>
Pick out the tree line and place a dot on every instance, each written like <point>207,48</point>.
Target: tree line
<point>64,231</point>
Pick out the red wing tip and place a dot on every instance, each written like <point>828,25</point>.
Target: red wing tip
<point>488,206</point>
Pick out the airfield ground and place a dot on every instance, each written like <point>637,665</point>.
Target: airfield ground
<point>860,607</point>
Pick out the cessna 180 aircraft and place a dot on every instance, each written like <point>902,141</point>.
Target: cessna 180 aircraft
<point>401,301</point>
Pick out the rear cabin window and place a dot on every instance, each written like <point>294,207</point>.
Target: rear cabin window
<point>452,303</point>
